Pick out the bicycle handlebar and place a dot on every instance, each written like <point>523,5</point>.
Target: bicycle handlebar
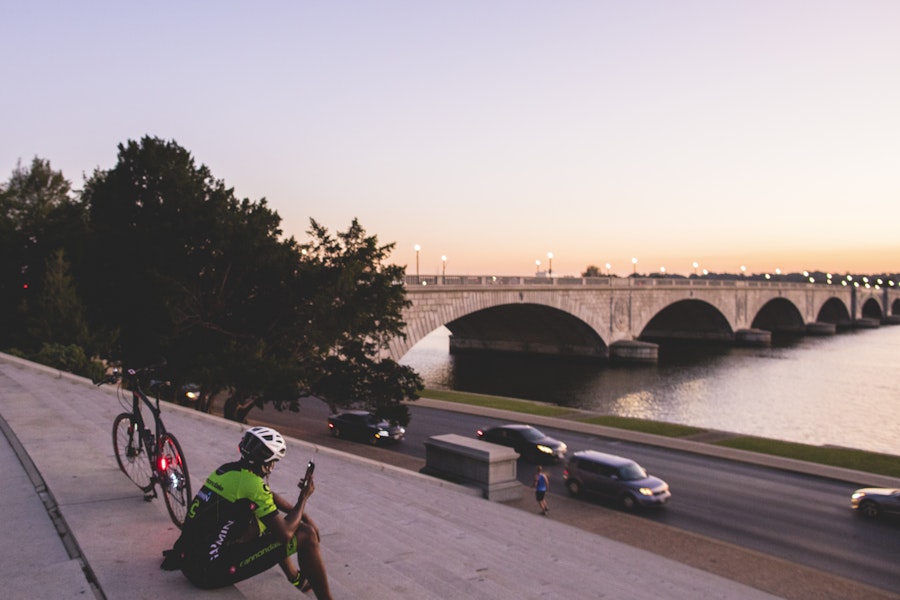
<point>116,374</point>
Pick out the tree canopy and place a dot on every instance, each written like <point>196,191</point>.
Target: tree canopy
<point>180,268</point>
<point>38,218</point>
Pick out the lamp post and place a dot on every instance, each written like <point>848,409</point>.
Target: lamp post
<point>696,264</point>
<point>443,266</point>
<point>550,264</point>
<point>743,271</point>
<point>537,268</point>
<point>634,266</point>
<point>417,248</point>
<point>608,267</point>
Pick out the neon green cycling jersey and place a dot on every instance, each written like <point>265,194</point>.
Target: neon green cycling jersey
<point>231,498</point>
<point>233,483</point>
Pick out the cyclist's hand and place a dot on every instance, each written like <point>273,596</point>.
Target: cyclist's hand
<point>308,488</point>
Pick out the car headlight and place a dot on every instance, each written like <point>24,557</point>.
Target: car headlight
<point>646,491</point>
<point>545,449</point>
<point>382,433</point>
<point>191,395</point>
<point>858,495</point>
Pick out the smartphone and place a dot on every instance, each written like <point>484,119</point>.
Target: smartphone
<point>310,467</point>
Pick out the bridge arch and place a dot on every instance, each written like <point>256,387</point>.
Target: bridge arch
<point>871,309</point>
<point>834,311</point>
<point>779,315</point>
<point>526,328</point>
<point>689,319</point>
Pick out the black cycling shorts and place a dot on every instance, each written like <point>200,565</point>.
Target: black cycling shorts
<point>237,562</point>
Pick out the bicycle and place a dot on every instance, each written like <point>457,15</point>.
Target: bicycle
<point>149,458</point>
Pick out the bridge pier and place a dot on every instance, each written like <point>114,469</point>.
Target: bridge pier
<point>461,345</point>
<point>634,351</point>
<point>820,328</point>
<point>753,337</point>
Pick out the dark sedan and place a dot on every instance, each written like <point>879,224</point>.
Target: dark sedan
<point>874,502</point>
<point>364,426</point>
<point>531,443</point>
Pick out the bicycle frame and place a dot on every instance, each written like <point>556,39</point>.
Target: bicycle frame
<point>151,438</point>
<point>149,456</point>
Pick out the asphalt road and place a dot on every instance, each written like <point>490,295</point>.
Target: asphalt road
<point>803,519</point>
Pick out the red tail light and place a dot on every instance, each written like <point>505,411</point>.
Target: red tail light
<point>163,463</point>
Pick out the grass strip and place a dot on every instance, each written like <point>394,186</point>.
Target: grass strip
<point>643,425</point>
<point>521,406</point>
<point>849,458</point>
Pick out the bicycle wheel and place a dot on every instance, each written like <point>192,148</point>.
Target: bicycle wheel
<point>174,479</point>
<point>130,451</point>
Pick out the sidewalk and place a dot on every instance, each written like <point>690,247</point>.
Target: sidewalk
<point>387,532</point>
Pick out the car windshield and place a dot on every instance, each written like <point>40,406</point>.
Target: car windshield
<point>631,472</point>
<point>532,435</point>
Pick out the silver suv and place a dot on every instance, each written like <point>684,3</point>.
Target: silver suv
<point>616,478</point>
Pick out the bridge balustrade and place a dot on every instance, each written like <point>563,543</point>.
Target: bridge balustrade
<point>612,282</point>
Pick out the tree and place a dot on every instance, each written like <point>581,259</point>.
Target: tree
<point>38,217</point>
<point>357,312</point>
<point>592,271</point>
<point>188,272</point>
<point>60,316</point>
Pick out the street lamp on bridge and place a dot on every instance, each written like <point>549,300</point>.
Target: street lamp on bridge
<point>443,266</point>
<point>417,248</point>
<point>634,266</point>
<point>550,264</point>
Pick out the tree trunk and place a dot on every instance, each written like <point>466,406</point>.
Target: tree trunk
<point>237,409</point>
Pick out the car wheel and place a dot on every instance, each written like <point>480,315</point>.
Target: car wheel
<point>869,509</point>
<point>628,502</point>
<point>574,487</point>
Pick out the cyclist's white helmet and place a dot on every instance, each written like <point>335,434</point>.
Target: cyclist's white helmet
<point>261,445</point>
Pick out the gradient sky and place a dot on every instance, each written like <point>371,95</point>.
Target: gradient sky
<point>760,132</point>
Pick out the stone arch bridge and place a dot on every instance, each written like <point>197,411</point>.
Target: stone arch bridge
<point>625,319</point>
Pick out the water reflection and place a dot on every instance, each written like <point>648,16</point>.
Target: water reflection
<point>839,390</point>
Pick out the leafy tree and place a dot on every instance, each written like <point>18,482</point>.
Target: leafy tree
<point>38,217</point>
<point>158,223</point>
<point>60,316</point>
<point>592,271</point>
<point>357,311</point>
<point>187,271</point>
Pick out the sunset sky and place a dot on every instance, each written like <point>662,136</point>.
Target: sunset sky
<point>760,132</point>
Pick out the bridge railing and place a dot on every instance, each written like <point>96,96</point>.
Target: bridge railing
<point>457,281</point>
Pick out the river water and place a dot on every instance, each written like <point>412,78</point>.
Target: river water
<point>841,390</point>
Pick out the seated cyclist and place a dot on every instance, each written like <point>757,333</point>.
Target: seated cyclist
<point>234,529</point>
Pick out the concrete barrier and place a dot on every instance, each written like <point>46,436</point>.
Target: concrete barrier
<point>474,462</point>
